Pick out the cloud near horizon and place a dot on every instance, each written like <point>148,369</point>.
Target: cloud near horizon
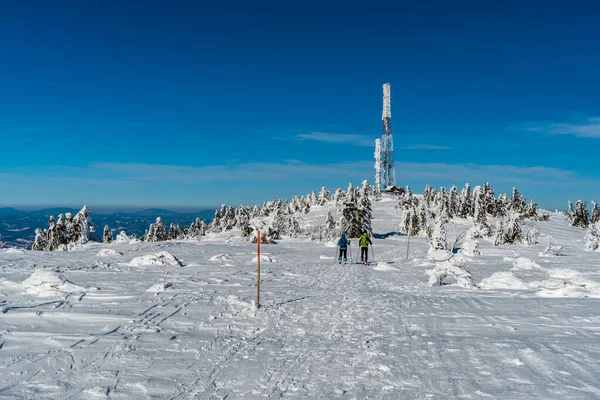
<point>361,140</point>
<point>154,184</point>
<point>588,128</point>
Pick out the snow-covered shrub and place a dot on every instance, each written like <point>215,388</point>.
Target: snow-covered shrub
<point>438,237</point>
<point>443,270</point>
<point>122,237</point>
<point>581,217</point>
<point>552,248</point>
<point>531,234</point>
<point>592,237</point>
<point>107,235</point>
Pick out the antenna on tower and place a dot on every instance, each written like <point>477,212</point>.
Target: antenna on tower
<point>388,171</point>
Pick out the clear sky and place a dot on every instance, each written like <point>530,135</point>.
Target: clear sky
<point>191,104</point>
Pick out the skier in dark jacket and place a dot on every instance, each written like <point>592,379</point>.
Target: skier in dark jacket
<point>343,246</point>
<point>364,243</point>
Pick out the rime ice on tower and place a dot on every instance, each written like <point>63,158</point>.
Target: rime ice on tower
<point>388,171</point>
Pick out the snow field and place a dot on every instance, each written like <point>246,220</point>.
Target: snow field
<point>506,323</point>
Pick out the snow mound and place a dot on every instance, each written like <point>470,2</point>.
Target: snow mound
<point>264,258</point>
<point>221,257</point>
<point>565,273</point>
<point>504,280</point>
<point>525,263</point>
<point>158,288</point>
<point>326,257</point>
<point>13,251</point>
<point>458,272</point>
<point>50,283</point>
<point>108,253</point>
<point>561,288</point>
<point>383,266</point>
<point>122,237</point>
<point>161,258</point>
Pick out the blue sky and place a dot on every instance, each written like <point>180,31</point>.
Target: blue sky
<point>184,104</point>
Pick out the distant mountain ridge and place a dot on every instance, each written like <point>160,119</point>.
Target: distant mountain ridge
<point>17,227</point>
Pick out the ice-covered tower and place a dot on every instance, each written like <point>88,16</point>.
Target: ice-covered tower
<point>388,171</point>
<point>377,165</point>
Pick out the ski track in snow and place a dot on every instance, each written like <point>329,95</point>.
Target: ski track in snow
<point>323,331</point>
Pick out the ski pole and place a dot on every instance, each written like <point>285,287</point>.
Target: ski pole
<point>373,254</point>
<point>336,253</point>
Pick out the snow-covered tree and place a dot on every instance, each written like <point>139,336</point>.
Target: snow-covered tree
<point>339,196</point>
<point>411,222</point>
<point>480,227</point>
<point>215,225</point>
<point>517,202</point>
<point>161,230</point>
<point>350,221</point>
<point>581,217</point>
<point>41,240</point>
<point>592,237</point>
<point>150,235</point>
<point>174,232</point>
<point>53,238</point>
<point>570,212</point>
<point>330,231</point>
<point>122,237</point>
<point>293,227</point>
<point>465,209</point>
<point>324,196</point>
<point>107,235</point>
<point>438,236</point>
<point>513,229</point>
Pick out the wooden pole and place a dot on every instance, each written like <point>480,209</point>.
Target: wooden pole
<point>258,276</point>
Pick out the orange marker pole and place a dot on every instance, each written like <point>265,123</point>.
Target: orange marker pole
<point>258,276</point>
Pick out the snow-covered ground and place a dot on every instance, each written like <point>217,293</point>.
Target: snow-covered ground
<point>176,320</point>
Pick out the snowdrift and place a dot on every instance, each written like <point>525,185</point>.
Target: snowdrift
<point>162,258</point>
<point>108,253</point>
<point>51,283</point>
<point>457,271</point>
<point>504,280</point>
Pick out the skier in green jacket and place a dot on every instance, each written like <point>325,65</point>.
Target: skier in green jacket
<point>364,242</point>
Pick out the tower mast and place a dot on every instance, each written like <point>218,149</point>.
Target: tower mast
<point>388,171</point>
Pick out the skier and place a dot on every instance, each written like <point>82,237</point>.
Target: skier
<point>343,246</point>
<point>364,243</point>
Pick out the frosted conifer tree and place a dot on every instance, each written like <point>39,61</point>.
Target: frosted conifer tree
<point>293,227</point>
<point>454,201</point>
<point>480,227</point>
<point>438,237</point>
<point>427,195</point>
<point>365,210</point>
<point>314,200</point>
<point>53,238</point>
<point>464,209</point>
<point>41,240</point>
<point>215,225</point>
<point>174,232</point>
<point>339,197</point>
<point>350,194</point>
<point>350,222</point>
<point>61,227</point>
<point>324,196</point>
<point>151,234</point>
<point>161,230</point>
<point>278,225</point>
<point>107,235</point>
<point>122,237</point>
<point>411,222</point>
<point>530,210</point>
<point>513,229</point>
<point>570,212</point>
<point>330,226</point>
<point>595,217</point>
<point>517,202</point>
<point>592,237</point>
<point>581,217</point>
<point>256,211</point>
<point>499,233</point>
<point>81,226</point>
